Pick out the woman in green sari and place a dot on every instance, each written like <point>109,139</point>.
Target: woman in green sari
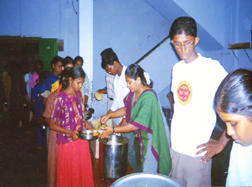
<point>144,116</point>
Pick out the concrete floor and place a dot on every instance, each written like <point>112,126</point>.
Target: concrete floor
<point>21,163</point>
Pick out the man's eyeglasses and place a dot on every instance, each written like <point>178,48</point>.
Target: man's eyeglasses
<point>185,44</point>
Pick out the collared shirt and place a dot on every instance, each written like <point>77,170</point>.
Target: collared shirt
<point>120,90</point>
<point>109,82</point>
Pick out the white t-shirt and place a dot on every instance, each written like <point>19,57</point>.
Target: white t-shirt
<point>240,166</point>
<point>109,85</point>
<point>120,90</point>
<point>194,86</point>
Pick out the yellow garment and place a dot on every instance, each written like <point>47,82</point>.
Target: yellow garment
<point>55,86</point>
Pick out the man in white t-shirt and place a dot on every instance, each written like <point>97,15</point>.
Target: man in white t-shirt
<point>112,65</point>
<point>195,80</point>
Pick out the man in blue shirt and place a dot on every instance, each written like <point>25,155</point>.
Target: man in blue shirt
<point>57,68</point>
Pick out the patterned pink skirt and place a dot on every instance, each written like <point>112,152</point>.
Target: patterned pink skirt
<point>75,165</point>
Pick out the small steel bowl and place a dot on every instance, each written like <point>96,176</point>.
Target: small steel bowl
<point>88,134</point>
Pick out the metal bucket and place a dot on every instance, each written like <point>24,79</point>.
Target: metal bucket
<point>115,152</point>
<point>146,180</point>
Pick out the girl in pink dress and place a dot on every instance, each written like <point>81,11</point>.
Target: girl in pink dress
<point>74,159</point>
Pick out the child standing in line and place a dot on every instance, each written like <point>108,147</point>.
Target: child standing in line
<point>74,159</point>
<point>52,157</point>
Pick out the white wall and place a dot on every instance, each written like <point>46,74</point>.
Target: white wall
<point>86,37</point>
<point>243,33</point>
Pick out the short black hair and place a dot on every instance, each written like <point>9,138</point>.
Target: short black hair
<point>108,57</point>
<point>78,58</point>
<point>67,60</point>
<point>183,24</point>
<point>56,59</point>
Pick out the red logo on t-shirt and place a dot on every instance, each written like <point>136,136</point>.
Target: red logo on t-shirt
<point>184,92</point>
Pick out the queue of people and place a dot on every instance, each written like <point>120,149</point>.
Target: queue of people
<point>63,97</point>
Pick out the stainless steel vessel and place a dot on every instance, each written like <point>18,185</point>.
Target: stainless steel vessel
<point>146,180</point>
<point>115,153</point>
<point>88,134</point>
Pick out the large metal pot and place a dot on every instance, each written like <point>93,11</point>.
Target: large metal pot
<point>115,152</point>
